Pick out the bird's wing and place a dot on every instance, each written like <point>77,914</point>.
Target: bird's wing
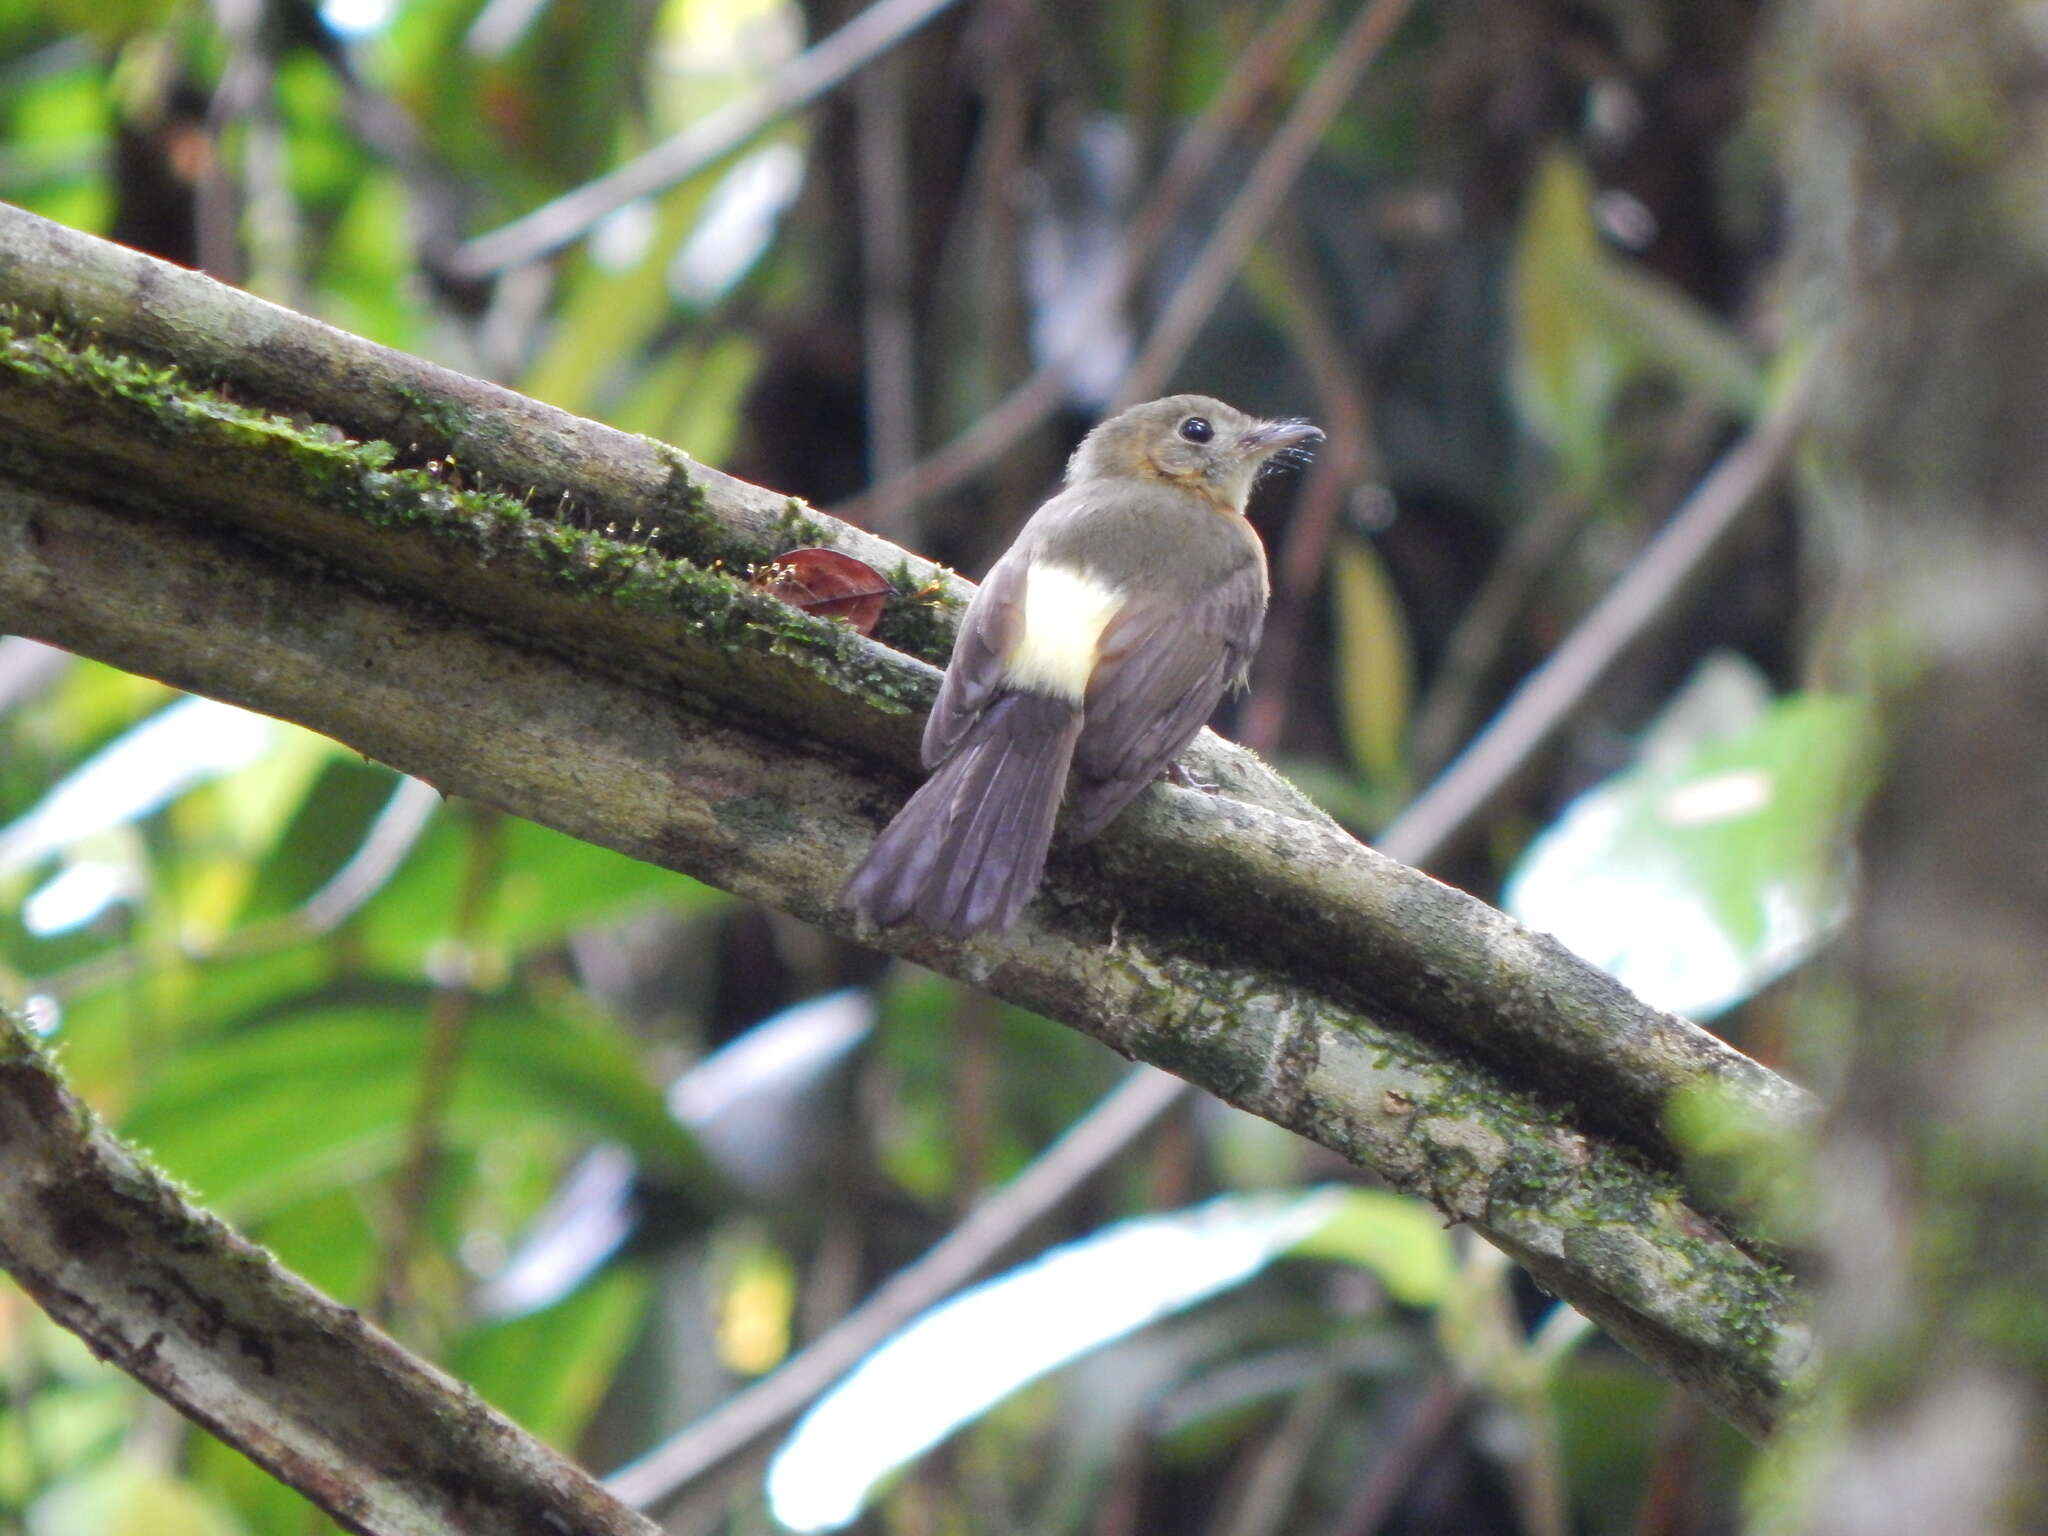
<point>1162,665</point>
<point>987,635</point>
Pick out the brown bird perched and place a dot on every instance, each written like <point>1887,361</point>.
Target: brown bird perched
<point>1100,643</point>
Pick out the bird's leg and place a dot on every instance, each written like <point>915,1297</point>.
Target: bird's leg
<point>1176,774</point>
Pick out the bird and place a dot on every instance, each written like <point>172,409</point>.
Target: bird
<point>1095,649</point>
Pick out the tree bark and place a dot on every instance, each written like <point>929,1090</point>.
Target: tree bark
<point>545,615</point>
<point>383,1442</point>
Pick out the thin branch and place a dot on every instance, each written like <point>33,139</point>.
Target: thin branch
<point>1105,1133</point>
<point>447,1027</point>
<point>1472,654</point>
<point>1423,1424</point>
<point>1350,455</point>
<point>1032,403</point>
<point>888,333</point>
<point>384,1443</point>
<point>1474,649</point>
<point>819,69</point>
<point>1643,596</point>
<point>1282,1461</point>
<point>1223,256</point>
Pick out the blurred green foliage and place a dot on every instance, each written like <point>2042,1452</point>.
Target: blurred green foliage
<point>301,978</point>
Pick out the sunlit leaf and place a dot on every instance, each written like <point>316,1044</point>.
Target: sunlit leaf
<point>1700,876</point>
<point>690,395</point>
<point>757,1306</point>
<point>1401,1240</point>
<point>738,224</point>
<point>190,743</point>
<point>609,315</point>
<point>229,826</point>
<point>591,1214</point>
<point>1569,357</point>
<point>552,885</point>
<point>368,264</point>
<point>1373,664</point>
<point>1585,319</point>
<point>129,1497</point>
<point>968,1353</point>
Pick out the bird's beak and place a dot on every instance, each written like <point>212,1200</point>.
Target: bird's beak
<point>1270,437</point>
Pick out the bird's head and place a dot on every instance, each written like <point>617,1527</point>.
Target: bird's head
<point>1191,441</point>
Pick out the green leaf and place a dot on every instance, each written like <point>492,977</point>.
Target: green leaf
<point>607,316</point>
<point>1373,664</point>
<point>1585,321</point>
<point>1403,1241</point>
<point>320,1097</point>
<point>549,1369</point>
<point>551,885</point>
<point>1569,358</point>
<point>329,1241</point>
<point>1718,863</point>
<point>126,1497</point>
<point>1676,331</point>
<point>326,831</point>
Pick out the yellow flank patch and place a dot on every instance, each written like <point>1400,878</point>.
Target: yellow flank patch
<point>1065,613</point>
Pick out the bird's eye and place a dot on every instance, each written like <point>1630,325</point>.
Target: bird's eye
<point>1196,429</point>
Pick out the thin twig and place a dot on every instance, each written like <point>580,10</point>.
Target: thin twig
<point>888,334</point>
<point>1216,268</point>
<point>1473,651</point>
<point>1424,1424</point>
<point>1033,402</point>
<point>711,138</point>
<point>1550,693</point>
<point>1282,1460</point>
<point>1348,457</point>
<point>1087,1147</point>
<point>447,1024</point>
<point>1472,654</point>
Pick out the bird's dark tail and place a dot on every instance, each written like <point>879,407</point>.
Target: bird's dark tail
<point>968,849</point>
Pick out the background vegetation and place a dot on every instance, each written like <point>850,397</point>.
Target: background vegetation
<point>610,1145</point>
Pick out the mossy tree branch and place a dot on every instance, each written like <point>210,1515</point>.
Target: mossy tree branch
<point>546,615</point>
<point>379,1439</point>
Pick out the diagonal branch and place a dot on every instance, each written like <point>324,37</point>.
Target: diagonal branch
<point>382,1441</point>
<point>819,69</point>
<point>513,649</point>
